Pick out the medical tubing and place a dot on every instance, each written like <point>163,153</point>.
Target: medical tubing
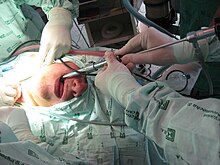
<point>19,47</point>
<point>145,78</point>
<point>26,48</point>
<point>86,52</point>
<point>199,53</point>
<point>50,114</point>
<point>66,65</point>
<point>159,72</point>
<point>208,77</point>
<point>145,20</point>
<point>74,70</point>
<point>13,55</point>
<point>18,51</point>
<point>83,121</point>
<point>194,37</point>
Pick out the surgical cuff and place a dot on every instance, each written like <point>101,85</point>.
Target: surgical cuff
<point>184,52</point>
<point>18,122</point>
<point>120,85</point>
<point>60,16</point>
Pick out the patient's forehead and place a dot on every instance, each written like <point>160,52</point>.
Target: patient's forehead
<point>28,64</point>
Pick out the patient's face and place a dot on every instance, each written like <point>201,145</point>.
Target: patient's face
<point>47,88</point>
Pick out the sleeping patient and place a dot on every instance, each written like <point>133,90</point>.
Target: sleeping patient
<point>47,88</point>
<point>70,118</point>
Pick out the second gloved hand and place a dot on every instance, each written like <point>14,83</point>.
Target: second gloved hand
<point>148,38</point>
<point>178,53</point>
<point>115,79</point>
<point>9,93</point>
<point>56,35</point>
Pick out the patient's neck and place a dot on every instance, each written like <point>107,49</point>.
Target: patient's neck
<point>26,96</point>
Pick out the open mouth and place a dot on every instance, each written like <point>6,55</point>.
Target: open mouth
<point>59,87</point>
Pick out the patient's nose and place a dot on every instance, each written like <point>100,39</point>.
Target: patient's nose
<point>74,86</point>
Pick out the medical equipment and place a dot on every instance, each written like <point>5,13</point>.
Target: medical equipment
<point>143,19</point>
<point>192,37</point>
<point>88,69</point>
<point>87,52</point>
<point>177,79</point>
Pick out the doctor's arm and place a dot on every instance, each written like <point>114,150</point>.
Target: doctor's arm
<point>180,53</point>
<point>56,36</point>
<point>17,120</point>
<point>186,129</point>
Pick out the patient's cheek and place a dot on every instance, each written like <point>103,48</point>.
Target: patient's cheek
<point>44,91</point>
<point>83,88</point>
<point>82,85</point>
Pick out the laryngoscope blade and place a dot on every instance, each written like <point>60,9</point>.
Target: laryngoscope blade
<point>87,69</point>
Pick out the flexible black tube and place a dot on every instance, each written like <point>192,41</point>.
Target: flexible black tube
<point>144,20</point>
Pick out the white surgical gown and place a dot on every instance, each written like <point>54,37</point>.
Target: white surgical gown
<point>84,142</point>
<point>98,136</point>
<point>185,131</point>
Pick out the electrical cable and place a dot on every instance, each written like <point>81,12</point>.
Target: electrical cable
<point>145,78</point>
<point>77,41</point>
<point>199,53</point>
<point>159,72</point>
<point>147,22</point>
<point>24,43</point>
<point>76,46</point>
<point>83,121</point>
<point>81,33</point>
<point>192,37</point>
<point>82,73</point>
<point>50,114</point>
<point>149,69</point>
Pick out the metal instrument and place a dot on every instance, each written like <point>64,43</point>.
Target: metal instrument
<point>191,37</point>
<point>88,69</point>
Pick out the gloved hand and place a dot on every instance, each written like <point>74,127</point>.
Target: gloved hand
<point>180,53</point>
<point>56,35</point>
<point>9,93</point>
<point>148,38</point>
<point>115,79</point>
<point>17,120</point>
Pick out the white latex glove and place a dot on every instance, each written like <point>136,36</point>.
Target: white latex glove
<point>9,93</point>
<point>56,35</point>
<point>115,79</point>
<point>150,37</point>
<point>17,120</point>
